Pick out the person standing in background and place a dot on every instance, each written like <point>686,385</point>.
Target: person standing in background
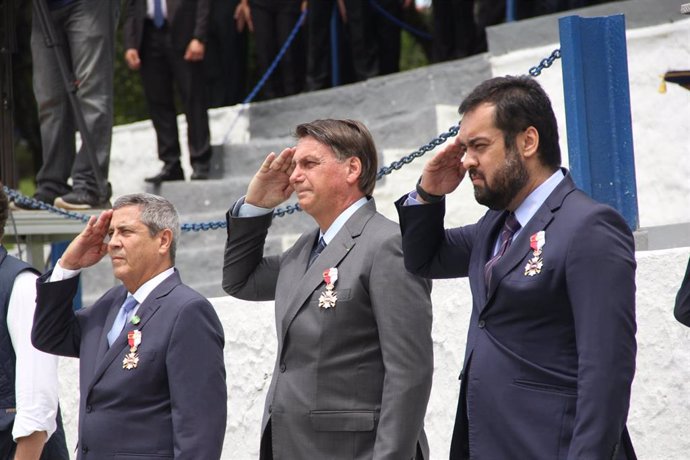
<point>165,41</point>
<point>86,32</point>
<point>271,21</point>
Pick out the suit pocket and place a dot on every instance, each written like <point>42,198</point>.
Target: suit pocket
<point>343,420</point>
<point>140,456</point>
<point>547,387</point>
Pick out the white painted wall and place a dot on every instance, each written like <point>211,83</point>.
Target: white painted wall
<point>661,402</point>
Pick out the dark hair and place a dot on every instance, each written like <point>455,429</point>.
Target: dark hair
<point>4,208</point>
<point>347,138</point>
<point>157,213</point>
<point>520,102</point>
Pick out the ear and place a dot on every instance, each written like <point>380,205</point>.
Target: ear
<point>354,170</point>
<point>166,238</point>
<point>528,142</point>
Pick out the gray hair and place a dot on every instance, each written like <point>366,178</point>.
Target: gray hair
<point>157,213</point>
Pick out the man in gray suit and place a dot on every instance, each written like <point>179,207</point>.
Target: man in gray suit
<point>354,363</point>
<point>151,368</point>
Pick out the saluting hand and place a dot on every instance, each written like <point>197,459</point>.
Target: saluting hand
<point>270,186</point>
<point>444,172</point>
<point>89,246</point>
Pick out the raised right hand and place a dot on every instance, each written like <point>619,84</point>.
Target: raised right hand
<point>270,186</point>
<point>444,172</point>
<point>89,246</point>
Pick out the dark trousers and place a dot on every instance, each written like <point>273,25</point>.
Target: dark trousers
<point>273,22</point>
<point>319,38</point>
<point>386,36</point>
<point>163,67</point>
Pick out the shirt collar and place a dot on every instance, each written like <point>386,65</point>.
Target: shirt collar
<point>528,208</point>
<point>342,219</point>
<point>145,289</point>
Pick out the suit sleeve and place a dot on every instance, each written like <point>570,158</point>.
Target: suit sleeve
<point>130,37</point>
<point>203,12</point>
<point>682,309</point>
<point>429,250</point>
<point>247,274</point>
<point>56,328</point>
<point>402,307</point>
<point>600,273</point>
<point>196,378</point>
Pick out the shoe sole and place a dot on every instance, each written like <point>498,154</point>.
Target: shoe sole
<point>62,204</point>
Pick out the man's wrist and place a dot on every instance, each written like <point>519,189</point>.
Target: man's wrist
<point>426,196</point>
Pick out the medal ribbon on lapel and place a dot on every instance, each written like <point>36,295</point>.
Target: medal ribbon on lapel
<point>328,298</point>
<point>536,263</point>
<point>131,359</point>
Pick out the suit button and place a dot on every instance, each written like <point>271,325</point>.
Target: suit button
<point>85,449</point>
<point>89,409</point>
<point>283,367</point>
<point>481,324</point>
<point>270,408</point>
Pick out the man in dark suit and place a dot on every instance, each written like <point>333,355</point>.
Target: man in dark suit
<point>152,376</point>
<point>165,40</point>
<point>550,353</point>
<point>355,358</point>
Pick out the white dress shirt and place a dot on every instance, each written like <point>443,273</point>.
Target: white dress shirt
<point>149,8</point>
<point>36,380</point>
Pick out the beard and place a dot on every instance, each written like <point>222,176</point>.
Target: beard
<point>509,179</point>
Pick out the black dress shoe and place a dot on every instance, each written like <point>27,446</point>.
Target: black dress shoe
<point>166,174</point>
<point>201,170</point>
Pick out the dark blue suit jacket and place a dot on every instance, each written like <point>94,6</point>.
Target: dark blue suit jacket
<point>173,404</point>
<point>550,358</point>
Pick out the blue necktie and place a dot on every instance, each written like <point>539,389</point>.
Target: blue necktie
<point>316,251</point>
<point>121,318</point>
<point>158,19</point>
<point>509,228</point>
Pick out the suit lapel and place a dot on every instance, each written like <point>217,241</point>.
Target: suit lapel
<point>332,256</point>
<point>145,312</point>
<point>520,247</point>
<point>110,319</point>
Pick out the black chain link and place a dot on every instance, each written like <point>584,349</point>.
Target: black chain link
<point>291,208</point>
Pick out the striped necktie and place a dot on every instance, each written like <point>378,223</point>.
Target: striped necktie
<point>316,251</point>
<point>510,226</point>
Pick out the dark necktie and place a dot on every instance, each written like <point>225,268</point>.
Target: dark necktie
<point>510,226</point>
<point>316,251</point>
<point>121,318</point>
<point>158,19</point>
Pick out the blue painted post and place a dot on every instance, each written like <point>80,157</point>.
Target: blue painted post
<point>597,109</point>
<point>335,55</point>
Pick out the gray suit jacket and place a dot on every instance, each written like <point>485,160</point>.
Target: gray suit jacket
<point>353,381</point>
<point>173,404</point>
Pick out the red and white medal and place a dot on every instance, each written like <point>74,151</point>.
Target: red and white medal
<point>329,297</point>
<point>132,358</point>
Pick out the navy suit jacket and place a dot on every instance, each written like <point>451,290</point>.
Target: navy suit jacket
<point>173,404</point>
<point>550,358</point>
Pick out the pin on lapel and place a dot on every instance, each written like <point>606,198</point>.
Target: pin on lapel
<point>536,263</point>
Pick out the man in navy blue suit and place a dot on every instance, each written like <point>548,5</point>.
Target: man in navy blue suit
<point>151,367</point>
<point>550,353</point>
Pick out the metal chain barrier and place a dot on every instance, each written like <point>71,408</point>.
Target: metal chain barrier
<point>292,208</point>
